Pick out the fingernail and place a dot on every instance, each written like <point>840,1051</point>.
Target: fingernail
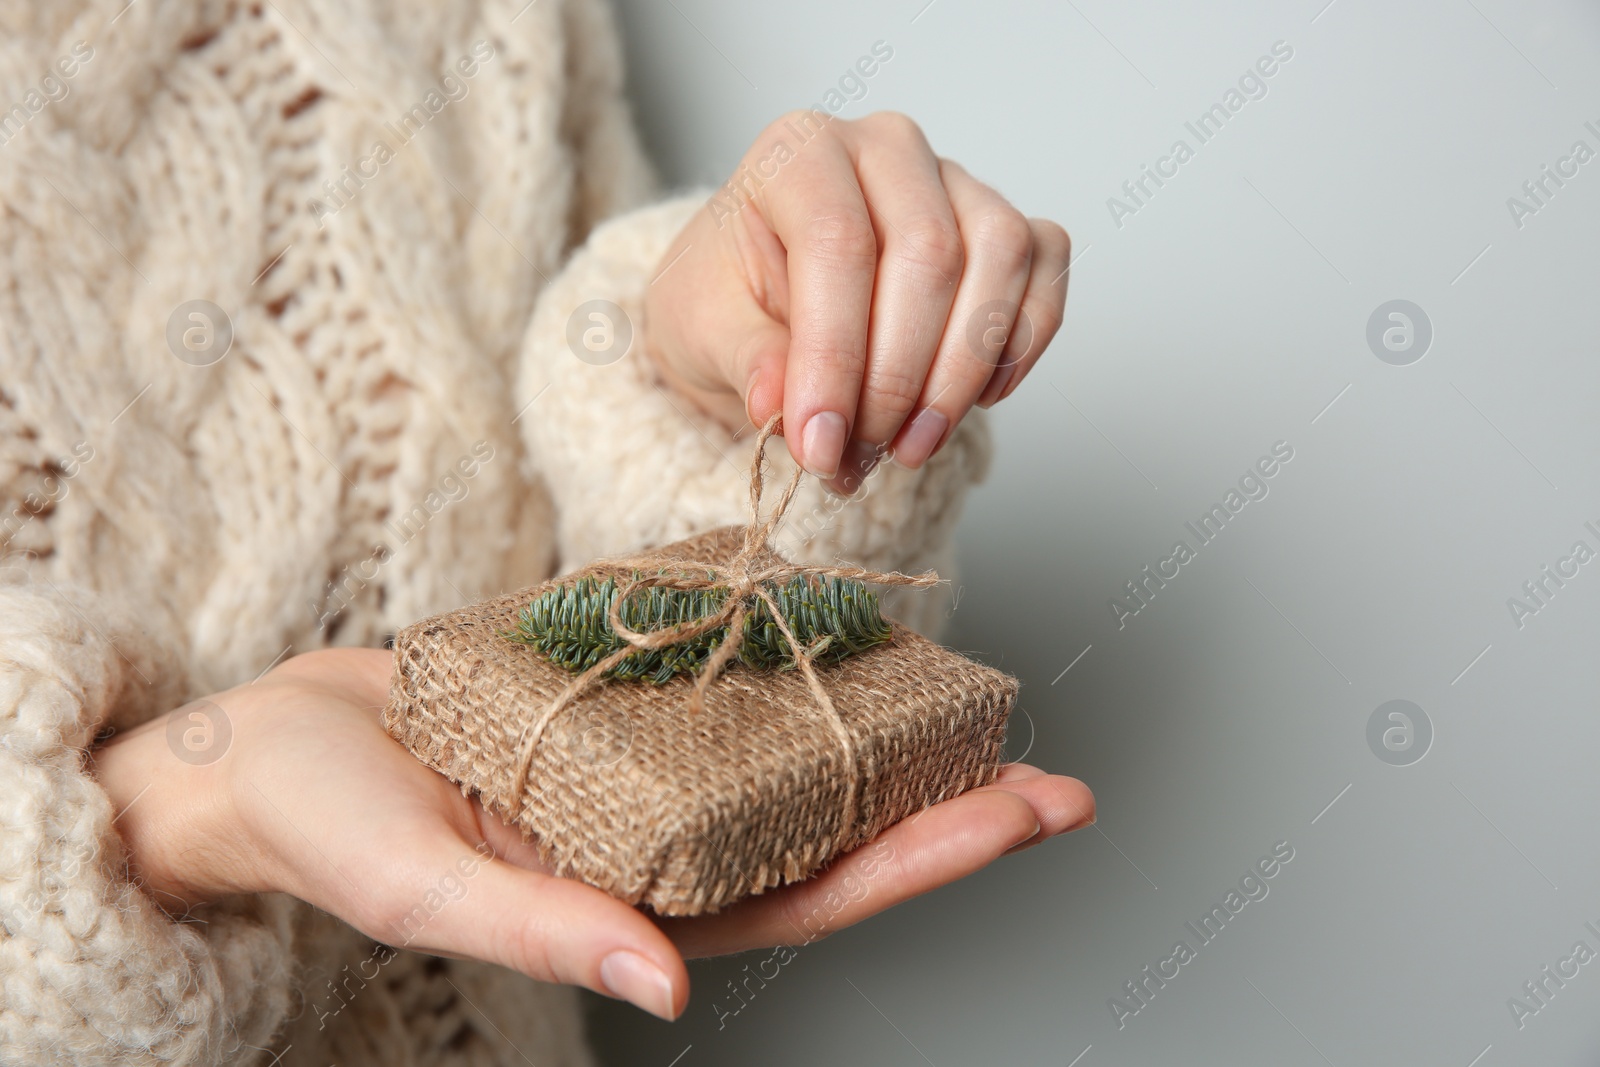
<point>1026,840</point>
<point>629,976</point>
<point>996,389</point>
<point>921,438</point>
<point>1010,386</point>
<point>860,458</point>
<point>749,392</point>
<point>823,442</point>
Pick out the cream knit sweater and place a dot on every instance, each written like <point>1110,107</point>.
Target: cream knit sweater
<point>168,529</point>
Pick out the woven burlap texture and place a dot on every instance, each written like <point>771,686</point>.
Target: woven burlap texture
<point>631,793</point>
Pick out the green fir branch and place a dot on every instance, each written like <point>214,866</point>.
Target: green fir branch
<point>831,617</point>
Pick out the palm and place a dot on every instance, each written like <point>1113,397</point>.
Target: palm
<point>349,821</point>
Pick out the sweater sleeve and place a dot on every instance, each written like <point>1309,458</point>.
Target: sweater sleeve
<point>93,971</point>
<point>630,463</point>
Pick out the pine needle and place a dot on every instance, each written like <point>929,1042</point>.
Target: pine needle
<point>831,617</point>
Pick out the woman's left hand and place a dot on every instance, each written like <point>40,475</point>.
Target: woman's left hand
<point>305,793</point>
<point>860,284</point>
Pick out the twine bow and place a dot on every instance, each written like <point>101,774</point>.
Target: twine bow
<point>747,577</point>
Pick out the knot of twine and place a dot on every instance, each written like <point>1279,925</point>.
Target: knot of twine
<point>747,577</point>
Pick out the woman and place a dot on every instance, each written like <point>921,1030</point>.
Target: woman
<point>312,327</point>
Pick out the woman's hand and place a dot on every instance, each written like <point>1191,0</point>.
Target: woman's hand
<point>304,793</point>
<point>860,284</point>
<point>939,845</point>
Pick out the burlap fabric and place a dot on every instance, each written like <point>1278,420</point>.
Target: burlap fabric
<point>631,792</point>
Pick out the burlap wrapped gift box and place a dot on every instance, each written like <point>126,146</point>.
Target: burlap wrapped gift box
<point>629,792</point>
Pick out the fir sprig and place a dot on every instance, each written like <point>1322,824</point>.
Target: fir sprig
<point>831,617</point>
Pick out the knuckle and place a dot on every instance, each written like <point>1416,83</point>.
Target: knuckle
<point>1054,237</point>
<point>521,941</point>
<point>823,352</point>
<point>799,922</point>
<point>949,169</point>
<point>1047,319</point>
<point>797,118</point>
<point>894,123</point>
<point>784,134</point>
<point>1005,235</point>
<point>528,952</point>
<point>844,238</point>
<point>890,393</point>
<point>935,242</point>
<point>304,667</point>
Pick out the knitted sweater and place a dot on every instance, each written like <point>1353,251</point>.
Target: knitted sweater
<point>398,204</point>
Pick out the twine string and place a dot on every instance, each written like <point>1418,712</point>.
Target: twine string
<point>747,580</point>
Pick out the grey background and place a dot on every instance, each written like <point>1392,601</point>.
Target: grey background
<point>1222,317</point>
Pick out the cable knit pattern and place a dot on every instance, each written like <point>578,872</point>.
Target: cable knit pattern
<point>86,954</point>
<point>168,529</point>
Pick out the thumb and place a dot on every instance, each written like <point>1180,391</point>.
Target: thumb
<point>551,929</point>
<point>759,362</point>
<point>717,331</point>
<point>729,353</point>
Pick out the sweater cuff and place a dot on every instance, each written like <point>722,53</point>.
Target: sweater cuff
<point>94,972</point>
<point>630,463</point>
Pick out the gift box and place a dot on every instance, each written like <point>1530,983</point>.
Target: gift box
<point>690,793</point>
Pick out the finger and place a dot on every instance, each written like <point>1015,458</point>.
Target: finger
<point>1017,772</point>
<point>919,267</point>
<point>468,902</point>
<point>999,257</point>
<point>943,843</point>
<point>1043,308</point>
<point>819,215</point>
<point>505,839</point>
<point>751,348</point>
<point>1059,803</point>
<point>728,354</point>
